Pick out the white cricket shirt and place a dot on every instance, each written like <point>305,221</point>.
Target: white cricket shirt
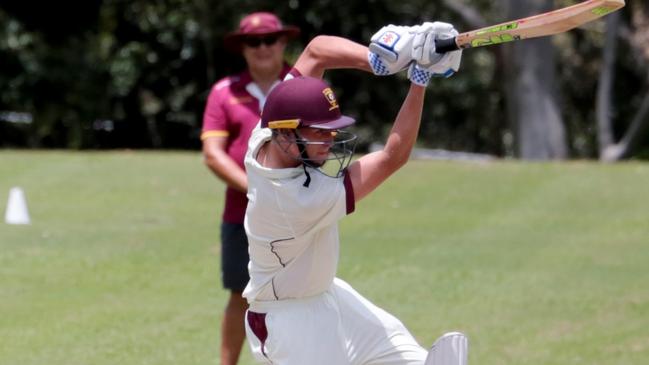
<point>292,230</point>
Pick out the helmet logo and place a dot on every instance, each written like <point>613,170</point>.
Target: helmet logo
<point>331,98</point>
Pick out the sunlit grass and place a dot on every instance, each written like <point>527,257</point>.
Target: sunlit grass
<point>537,263</point>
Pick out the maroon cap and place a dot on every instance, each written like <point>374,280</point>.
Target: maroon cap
<point>303,102</point>
<point>258,24</point>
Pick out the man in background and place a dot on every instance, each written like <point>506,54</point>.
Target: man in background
<point>232,111</point>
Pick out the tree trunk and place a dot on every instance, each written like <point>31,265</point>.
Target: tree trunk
<point>531,90</point>
<point>605,136</point>
<point>632,137</point>
<point>205,17</point>
<point>637,39</point>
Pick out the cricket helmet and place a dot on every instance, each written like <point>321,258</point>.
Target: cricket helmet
<point>307,102</point>
<point>303,102</point>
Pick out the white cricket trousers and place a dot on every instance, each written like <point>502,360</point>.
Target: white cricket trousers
<point>337,327</point>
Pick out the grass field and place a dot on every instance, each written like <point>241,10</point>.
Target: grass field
<point>544,263</point>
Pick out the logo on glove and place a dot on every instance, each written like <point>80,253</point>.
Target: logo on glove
<point>389,39</point>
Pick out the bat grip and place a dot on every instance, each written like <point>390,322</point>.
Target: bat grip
<point>445,45</point>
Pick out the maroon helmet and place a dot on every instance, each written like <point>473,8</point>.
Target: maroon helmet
<point>303,102</point>
<point>307,102</point>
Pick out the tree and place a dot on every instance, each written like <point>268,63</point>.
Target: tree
<point>638,40</point>
<point>136,74</point>
<point>529,84</point>
<point>532,90</point>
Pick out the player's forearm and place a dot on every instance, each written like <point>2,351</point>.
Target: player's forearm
<point>227,170</point>
<point>330,52</point>
<point>404,132</point>
<point>368,172</point>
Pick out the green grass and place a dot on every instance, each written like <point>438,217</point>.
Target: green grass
<point>544,263</point>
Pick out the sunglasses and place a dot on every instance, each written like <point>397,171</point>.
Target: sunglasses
<point>255,42</point>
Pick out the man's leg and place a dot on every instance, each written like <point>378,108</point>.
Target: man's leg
<point>234,270</point>
<point>232,329</point>
<point>297,332</point>
<point>374,336</point>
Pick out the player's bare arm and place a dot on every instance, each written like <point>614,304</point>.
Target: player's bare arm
<point>392,48</point>
<point>222,165</point>
<point>368,172</point>
<point>330,52</point>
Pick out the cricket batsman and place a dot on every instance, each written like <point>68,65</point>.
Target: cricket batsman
<point>301,182</point>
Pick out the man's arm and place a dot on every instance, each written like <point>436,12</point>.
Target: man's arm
<point>222,165</point>
<point>327,52</point>
<point>403,44</point>
<point>330,52</point>
<point>368,172</point>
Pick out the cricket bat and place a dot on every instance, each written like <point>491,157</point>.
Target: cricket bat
<point>553,22</point>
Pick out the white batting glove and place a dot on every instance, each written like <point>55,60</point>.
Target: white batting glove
<point>391,49</point>
<point>423,49</point>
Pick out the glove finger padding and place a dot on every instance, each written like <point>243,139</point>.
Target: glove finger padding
<point>442,27</point>
<point>423,48</point>
<point>447,65</point>
<point>429,55</point>
<point>441,65</point>
<point>450,57</point>
<point>421,32</point>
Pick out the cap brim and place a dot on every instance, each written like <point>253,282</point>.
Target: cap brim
<point>233,41</point>
<point>340,123</point>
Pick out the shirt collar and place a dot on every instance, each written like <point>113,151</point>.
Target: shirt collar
<point>253,89</point>
<point>259,137</point>
<point>244,78</point>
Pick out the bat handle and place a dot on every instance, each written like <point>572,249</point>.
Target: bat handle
<point>445,45</point>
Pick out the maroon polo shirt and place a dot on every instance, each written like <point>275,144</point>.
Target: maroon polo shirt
<point>232,112</point>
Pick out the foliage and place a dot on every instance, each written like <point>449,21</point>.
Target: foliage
<point>136,73</point>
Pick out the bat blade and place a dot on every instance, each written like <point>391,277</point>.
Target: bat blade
<point>553,22</point>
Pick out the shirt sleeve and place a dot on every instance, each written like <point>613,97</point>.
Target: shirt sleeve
<point>293,73</point>
<point>350,199</point>
<point>215,122</point>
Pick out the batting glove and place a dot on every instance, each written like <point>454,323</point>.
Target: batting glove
<point>423,49</point>
<point>391,49</point>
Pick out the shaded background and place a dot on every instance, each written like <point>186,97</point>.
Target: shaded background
<point>135,74</point>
